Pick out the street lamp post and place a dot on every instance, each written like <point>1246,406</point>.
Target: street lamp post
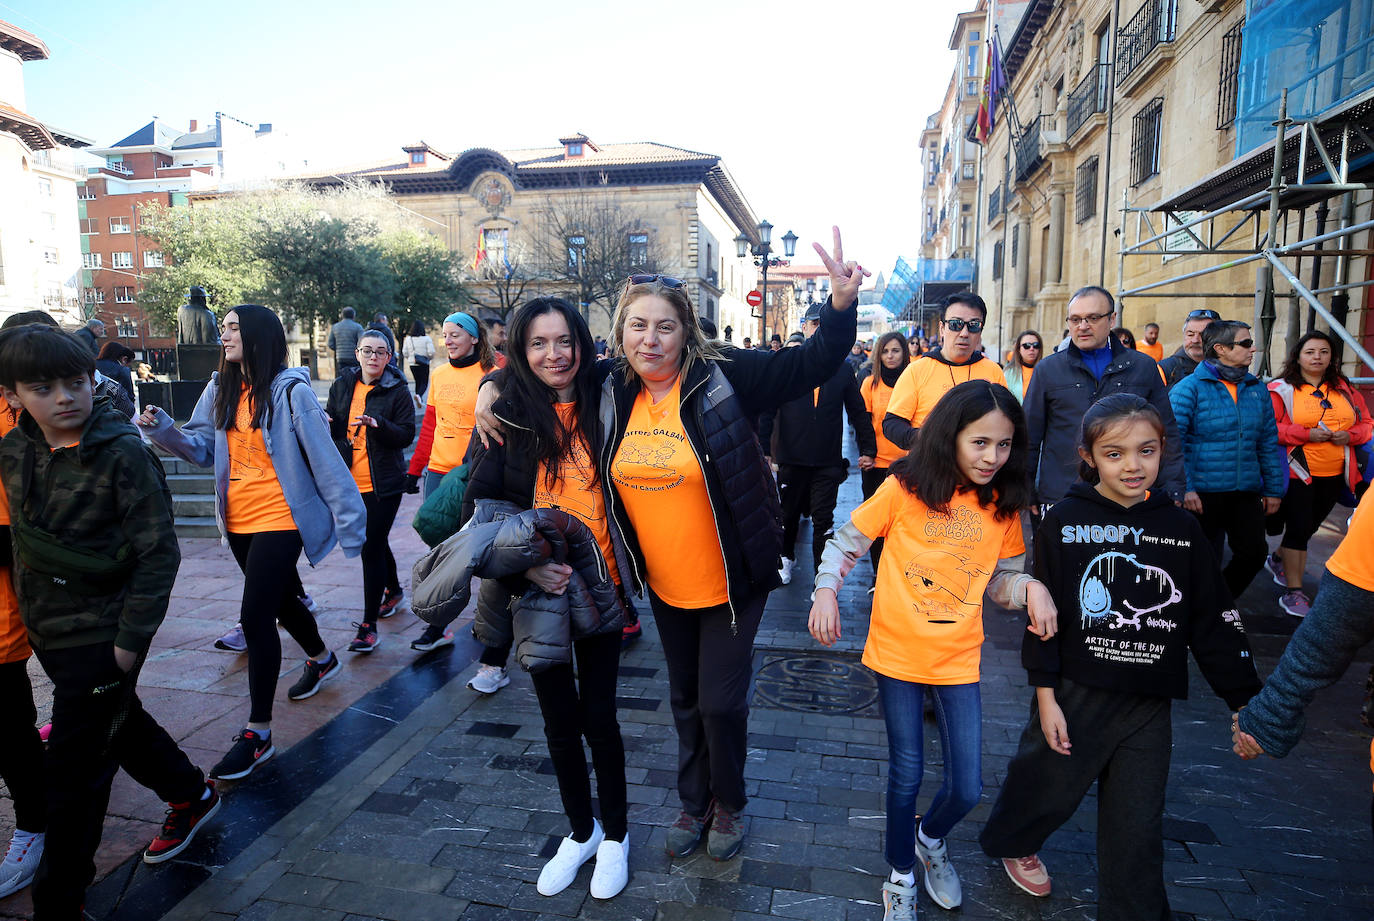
<point>764,259</point>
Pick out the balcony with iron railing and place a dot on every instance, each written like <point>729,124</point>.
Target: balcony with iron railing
<point>995,203</point>
<point>1089,97</point>
<point>1029,155</point>
<point>1153,25</point>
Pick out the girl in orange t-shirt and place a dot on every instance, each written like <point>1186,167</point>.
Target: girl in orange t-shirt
<point>21,759</point>
<point>950,514</point>
<point>892,355</point>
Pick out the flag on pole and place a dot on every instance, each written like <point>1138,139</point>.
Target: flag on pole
<point>481,255</point>
<point>994,85</point>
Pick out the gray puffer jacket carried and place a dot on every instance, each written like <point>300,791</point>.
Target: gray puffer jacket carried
<point>498,545</point>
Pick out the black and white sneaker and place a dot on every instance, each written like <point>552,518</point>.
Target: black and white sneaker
<point>432,638</point>
<point>249,751</point>
<point>313,675</point>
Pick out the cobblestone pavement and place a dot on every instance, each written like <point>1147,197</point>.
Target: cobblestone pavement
<point>423,800</point>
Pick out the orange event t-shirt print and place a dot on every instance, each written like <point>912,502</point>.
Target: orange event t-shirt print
<point>255,502</point>
<point>574,491</point>
<point>453,394</point>
<point>664,491</point>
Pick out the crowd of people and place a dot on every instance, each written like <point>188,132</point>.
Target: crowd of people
<point>580,479</point>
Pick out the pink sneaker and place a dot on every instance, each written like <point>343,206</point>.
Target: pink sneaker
<point>1029,874</point>
<point>1295,602</point>
<point>1274,563</point>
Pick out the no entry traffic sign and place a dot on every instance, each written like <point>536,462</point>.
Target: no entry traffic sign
<point>754,298</point>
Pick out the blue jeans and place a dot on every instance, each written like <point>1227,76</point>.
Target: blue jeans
<point>430,480</point>
<point>959,717</point>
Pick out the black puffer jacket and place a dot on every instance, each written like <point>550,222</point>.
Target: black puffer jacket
<point>809,430</point>
<point>500,543</point>
<point>390,404</point>
<point>719,398</point>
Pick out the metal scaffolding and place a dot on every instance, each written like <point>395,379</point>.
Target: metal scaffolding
<point>1329,152</point>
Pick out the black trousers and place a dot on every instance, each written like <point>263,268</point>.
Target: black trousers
<point>268,560</point>
<point>1237,517</point>
<point>379,565</point>
<point>98,726</point>
<point>1121,741</point>
<point>710,671</point>
<point>21,756</point>
<point>869,481</point>
<point>420,374</point>
<point>1305,506</point>
<point>816,488</point>
<point>578,705</point>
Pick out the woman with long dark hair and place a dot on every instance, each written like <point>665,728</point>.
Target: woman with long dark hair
<point>280,487</point>
<point>417,352</point>
<point>549,406</point>
<point>890,357</point>
<point>1029,349</point>
<point>372,416</point>
<point>1321,419</point>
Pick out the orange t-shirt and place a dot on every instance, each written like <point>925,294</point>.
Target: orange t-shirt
<point>664,490</point>
<point>361,467</point>
<point>1353,558</point>
<point>1155,351</point>
<point>925,380</point>
<point>453,394</point>
<point>14,639</point>
<point>927,623</point>
<point>1323,457</point>
<point>255,502</point>
<point>1233,390</point>
<point>877,396</point>
<point>574,490</point>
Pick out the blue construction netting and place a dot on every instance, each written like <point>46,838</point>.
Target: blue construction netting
<point>1322,51</point>
<point>907,279</point>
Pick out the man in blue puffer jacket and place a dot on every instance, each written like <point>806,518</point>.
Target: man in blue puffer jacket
<point>1236,474</point>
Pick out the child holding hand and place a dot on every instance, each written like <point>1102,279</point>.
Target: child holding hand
<point>950,518</point>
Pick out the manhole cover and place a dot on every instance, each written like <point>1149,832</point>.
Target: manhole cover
<point>815,684</point>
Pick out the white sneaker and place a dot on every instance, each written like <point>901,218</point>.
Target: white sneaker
<point>612,868</point>
<point>489,679</point>
<point>21,861</point>
<point>559,872</point>
<point>786,570</point>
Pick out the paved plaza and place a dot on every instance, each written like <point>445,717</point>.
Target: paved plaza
<point>402,794</point>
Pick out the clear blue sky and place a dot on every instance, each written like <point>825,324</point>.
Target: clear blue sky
<point>816,108</point>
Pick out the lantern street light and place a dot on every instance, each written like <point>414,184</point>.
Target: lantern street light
<point>764,259</point>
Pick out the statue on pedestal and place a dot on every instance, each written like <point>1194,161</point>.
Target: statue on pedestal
<point>196,323</point>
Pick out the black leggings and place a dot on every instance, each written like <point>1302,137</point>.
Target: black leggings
<point>268,560</point>
<point>583,706</point>
<point>420,374</point>
<point>870,480</point>
<point>379,566</point>
<point>1305,507</point>
<point>21,757</point>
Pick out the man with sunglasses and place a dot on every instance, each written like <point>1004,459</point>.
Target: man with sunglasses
<point>1093,365</point>
<point>1182,363</point>
<point>958,359</point>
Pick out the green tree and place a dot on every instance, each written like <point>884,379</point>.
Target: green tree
<point>425,277</point>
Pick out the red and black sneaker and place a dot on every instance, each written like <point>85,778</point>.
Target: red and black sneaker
<point>249,751</point>
<point>391,602</point>
<point>630,633</point>
<point>180,827</point>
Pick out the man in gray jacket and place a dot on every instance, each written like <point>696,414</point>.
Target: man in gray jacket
<point>1093,365</point>
<point>343,339</point>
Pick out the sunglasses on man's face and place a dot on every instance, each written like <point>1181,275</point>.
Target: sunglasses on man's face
<point>957,324</point>
<point>1242,343</point>
<point>666,281</point>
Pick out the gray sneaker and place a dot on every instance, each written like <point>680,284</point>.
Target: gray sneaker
<point>233,641</point>
<point>727,834</point>
<point>899,902</point>
<point>941,881</point>
<point>686,833</point>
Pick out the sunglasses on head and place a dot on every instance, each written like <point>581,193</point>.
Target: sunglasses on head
<point>957,324</point>
<point>1203,314</point>
<point>666,281</point>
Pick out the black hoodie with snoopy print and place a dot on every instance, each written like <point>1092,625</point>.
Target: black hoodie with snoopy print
<point>1136,588</point>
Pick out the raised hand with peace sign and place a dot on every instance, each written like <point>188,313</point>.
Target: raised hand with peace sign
<point>845,277</point>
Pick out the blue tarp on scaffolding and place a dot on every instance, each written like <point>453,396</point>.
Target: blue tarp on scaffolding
<point>905,283</point>
<point>1322,51</point>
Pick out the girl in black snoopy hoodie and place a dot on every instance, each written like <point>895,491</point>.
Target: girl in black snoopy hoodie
<point>1137,585</point>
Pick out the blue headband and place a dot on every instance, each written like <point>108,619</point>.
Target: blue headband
<point>466,321</point>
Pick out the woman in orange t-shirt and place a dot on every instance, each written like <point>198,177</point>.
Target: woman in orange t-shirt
<point>21,759</point>
<point>950,514</point>
<point>892,355</point>
<point>1321,420</point>
<point>281,488</point>
<point>549,403</point>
